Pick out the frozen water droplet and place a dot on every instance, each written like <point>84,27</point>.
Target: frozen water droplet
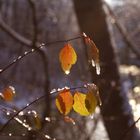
<point>29,128</point>
<point>53,90</point>
<point>93,63</point>
<point>13,89</point>
<point>14,60</point>
<point>67,72</point>
<point>59,89</point>
<point>19,57</point>
<point>1,95</point>
<point>91,116</point>
<point>25,52</point>
<point>48,119</point>
<point>21,113</point>
<point>66,87</point>
<point>0,70</point>
<point>33,50</point>
<point>84,34</point>
<point>7,113</point>
<point>27,104</point>
<point>47,136</point>
<point>42,44</point>
<point>98,69</point>
<point>29,112</point>
<point>10,134</point>
<point>24,121</point>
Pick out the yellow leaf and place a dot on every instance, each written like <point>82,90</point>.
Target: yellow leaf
<point>67,57</point>
<point>8,93</point>
<point>79,104</point>
<point>84,104</point>
<point>91,102</point>
<point>64,102</point>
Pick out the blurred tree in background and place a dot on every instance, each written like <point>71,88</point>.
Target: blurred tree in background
<point>24,25</point>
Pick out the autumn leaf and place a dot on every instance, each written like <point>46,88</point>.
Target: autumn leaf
<point>37,123</point>
<point>92,88</point>
<point>8,93</point>
<point>64,102</point>
<point>67,57</point>
<point>84,104</point>
<point>93,53</point>
<point>91,102</point>
<point>79,105</point>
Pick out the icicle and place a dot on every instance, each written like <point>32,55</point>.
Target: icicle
<point>98,69</point>
<point>93,63</point>
<point>33,50</point>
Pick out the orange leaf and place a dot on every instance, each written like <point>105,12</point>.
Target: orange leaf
<point>64,102</point>
<point>67,57</point>
<point>93,53</point>
<point>8,93</point>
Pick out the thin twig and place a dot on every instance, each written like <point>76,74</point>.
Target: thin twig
<point>27,43</point>
<point>129,129</point>
<point>33,102</point>
<point>33,50</point>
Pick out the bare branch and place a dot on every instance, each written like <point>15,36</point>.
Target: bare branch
<point>125,35</point>
<point>129,129</point>
<point>26,42</point>
<point>34,19</point>
<point>14,34</point>
<point>33,102</point>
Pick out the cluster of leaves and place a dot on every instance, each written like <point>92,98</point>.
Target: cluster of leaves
<point>82,103</point>
<point>68,56</point>
<point>66,100</point>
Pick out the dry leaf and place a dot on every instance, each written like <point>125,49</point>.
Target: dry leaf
<point>92,88</point>
<point>67,57</point>
<point>64,102</point>
<point>93,53</point>
<point>8,93</point>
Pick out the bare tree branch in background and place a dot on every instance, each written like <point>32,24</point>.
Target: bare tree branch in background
<point>31,44</point>
<point>123,32</point>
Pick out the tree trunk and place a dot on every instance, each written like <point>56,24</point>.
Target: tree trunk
<point>116,111</point>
